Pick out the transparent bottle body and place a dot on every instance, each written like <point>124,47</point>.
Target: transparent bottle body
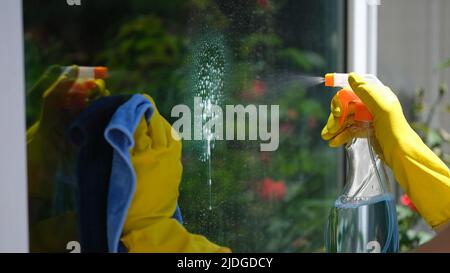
<point>363,218</point>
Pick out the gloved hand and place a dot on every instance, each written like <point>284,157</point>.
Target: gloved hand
<point>46,143</point>
<point>50,156</point>
<point>149,226</point>
<point>422,175</point>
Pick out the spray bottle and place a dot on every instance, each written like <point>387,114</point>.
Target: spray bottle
<point>84,85</point>
<point>363,218</point>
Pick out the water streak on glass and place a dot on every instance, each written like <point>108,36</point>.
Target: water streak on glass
<point>209,73</point>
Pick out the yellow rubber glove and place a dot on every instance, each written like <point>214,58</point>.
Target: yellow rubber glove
<point>49,152</point>
<point>53,234</point>
<point>46,146</point>
<point>149,226</point>
<point>422,175</point>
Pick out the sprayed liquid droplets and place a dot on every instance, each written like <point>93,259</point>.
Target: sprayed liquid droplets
<point>208,81</point>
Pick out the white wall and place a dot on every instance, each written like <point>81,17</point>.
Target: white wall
<point>413,38</point>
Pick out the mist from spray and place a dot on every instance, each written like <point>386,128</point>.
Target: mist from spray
<point>208,77</point>
<point>284,80</point>
<point>308,81</point>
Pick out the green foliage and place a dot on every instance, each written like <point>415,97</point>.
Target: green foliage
<point>438,139</point>
<point>144,57</point>
<point>409,237</point>
<point>258,41</point>
<point>303,61</point>
<point>444,64</point>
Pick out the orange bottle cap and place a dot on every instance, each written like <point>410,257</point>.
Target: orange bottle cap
<point>100,72</point>
<point>361,112</point>
<point>329,79</point>
<point>89,85</point>
<point>348,99</point>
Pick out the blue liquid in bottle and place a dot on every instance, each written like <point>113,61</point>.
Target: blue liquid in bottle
<point>364,217</point>
<point>366,226</point>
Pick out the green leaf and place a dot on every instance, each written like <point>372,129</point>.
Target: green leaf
<point>434,138</point>
<point>259,39</point>
<point>444,65</point>
<point>305,61</point>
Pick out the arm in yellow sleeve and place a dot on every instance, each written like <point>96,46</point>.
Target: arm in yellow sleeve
<point>149,227</point>
<point>421,174</point>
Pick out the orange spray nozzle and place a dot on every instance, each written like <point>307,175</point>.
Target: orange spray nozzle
<point>85,81</point>
<point>350,103</point>
<point>100,72</point>
<point>329,79</point>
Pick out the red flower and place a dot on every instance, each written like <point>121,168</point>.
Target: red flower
<point>407,202</point>
<point>286,128</point>
<point>300,242</point>
<point>257,89</point>
<point>292,114</point>
<point>272,190</point>
<point>312,123</point>
<point>263,3</point>
<point>264,157</point>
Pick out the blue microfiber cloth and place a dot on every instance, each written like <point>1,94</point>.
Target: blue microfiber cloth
<point>93,170</point>
<point>119,134</point>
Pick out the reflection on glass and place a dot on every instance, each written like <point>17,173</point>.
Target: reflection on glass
<point>227,53</point>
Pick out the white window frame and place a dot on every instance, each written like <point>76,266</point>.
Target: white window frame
<point>362,36</point>
<point>13,172</point>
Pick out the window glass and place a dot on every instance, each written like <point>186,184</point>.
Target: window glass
<point>264,193</point>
